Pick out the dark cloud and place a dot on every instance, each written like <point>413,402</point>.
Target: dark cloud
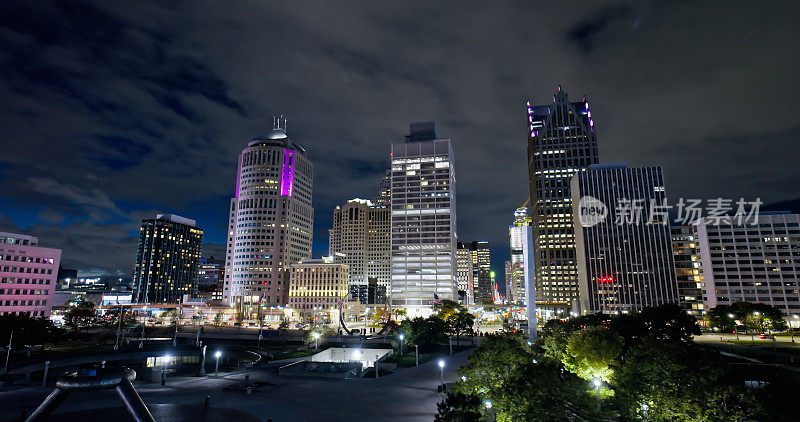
<point>112,111</point>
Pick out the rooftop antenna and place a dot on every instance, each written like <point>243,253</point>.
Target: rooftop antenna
<point>274,122</point>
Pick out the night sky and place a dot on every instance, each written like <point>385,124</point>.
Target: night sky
<point>113,111</point>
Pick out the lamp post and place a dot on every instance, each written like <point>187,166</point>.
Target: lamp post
<point>441,368</point>
<point>451,345</point>
<point>316,340</point>
<point>164,369</point>
<point>216,369</point>
<point>597,383</point>
<point>416,353</point>
<point>8,352</point>
<point>402,337</point>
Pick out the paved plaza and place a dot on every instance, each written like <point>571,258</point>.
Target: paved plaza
<point>410,394</point>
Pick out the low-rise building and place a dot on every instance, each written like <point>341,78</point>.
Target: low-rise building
<point>28,275</point>
<point>316,286</point>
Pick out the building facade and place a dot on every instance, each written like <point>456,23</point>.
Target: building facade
<point>167,259</point>
<point>758,262</point>
<point>688,271</point>
<point>271,221</point>
<point>210,277</point>
<point>423,220</point>
<point>561,143</point>
<point>28,275</point>
<point>465,274</point>
<point>481,270</point>
<point>359,238</point>
<point>316,286</point>
<point>624,255</point>
<point>515,278</point>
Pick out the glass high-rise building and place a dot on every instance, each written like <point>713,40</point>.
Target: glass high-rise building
<point>688,271</point>
<point>423,220</point>
<point>271,221</point>
<point>624,245</point>
<point>167,259</point>
<point>561,143</point>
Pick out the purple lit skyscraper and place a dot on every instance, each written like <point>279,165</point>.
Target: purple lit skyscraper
<point>561,142</point>
<point>271,222</point>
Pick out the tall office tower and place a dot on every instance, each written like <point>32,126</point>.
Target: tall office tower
<point>359,238</point>
<point>167,259</point>
<point>28,274</point>
<point>271,221</point>
<point>752,261</point>
<point>423,220</point>
<point>384,196</point>
<point>465,276</point>
<point>515,280</point>
<point>561,142</point>
<point>687,269</point>
<point>624,248</point>
<point>481,271</point>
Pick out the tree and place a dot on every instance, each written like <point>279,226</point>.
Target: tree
<point>460,322</point>
<point>447,308</point>
<point>489,366</point>
<point>591,352</point>
<point>679,381</point>
<point>81,315</point>
<point>424,331</point>
<point>459,407</point>
<point>754,317</point>
<point>27,330</point>
<point>218,319</point>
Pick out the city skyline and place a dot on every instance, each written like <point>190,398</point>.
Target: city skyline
<point>110,138</point>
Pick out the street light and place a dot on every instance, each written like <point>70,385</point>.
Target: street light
<point>402,337</point>
<point>597,384</point>
<point>441,367</point>
<point>645,409</point>
<point>416,353</point>
<point>316,340</point>
<point>164,368</point>
<point>217,355</point>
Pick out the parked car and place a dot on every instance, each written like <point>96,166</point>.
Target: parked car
<point>766,336</point>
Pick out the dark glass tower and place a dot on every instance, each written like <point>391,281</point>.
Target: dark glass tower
<point>561,142</point>
<point>167,260</point>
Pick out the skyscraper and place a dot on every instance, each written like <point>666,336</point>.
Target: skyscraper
<point>28,274</point>
<point>384,196</point>
<point>481,270</point>
<point>515,279</point>
<point>271,220</point>
<point>359,238</point>
<point>423,228</point>
<point>167,259</point>
<point>624,250</point>
<point>561,142</point>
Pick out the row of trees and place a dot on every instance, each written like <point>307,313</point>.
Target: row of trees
<point>752,317</point>
<point>645,366</point>
<point>451,318</point>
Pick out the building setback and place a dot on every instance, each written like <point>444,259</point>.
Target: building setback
<point>757,263</point>
<point>624,264</point>
<point>28,275</point>
<point>167,259</point>
<point>423,220</point>
<point>271,221</point>
<point>359,238</point>
<point>316,287</point>
<point>561,142</point>
<point>688,273</point>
